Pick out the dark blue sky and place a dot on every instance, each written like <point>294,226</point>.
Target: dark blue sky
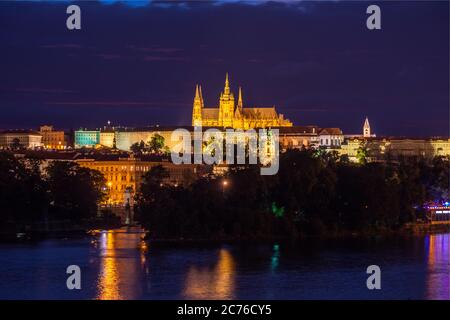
<point>138,63</point>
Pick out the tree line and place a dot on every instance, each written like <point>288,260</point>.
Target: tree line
<point>63,191</point>
<point>314,193</point>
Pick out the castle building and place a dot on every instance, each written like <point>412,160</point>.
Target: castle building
<point>234,115</point>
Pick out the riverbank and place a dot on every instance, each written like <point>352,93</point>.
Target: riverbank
<point>66,229</point>
<point>426,228</point>
<point>411,229</point>
<point>54,229</point>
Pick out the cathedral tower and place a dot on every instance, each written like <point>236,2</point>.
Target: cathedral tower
<point>240,104</point>
<point>366,129</point>
<point>226,105</point>
<point>197,107</point>
<point>230,115</point>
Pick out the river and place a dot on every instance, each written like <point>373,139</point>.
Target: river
<point>117,265</point>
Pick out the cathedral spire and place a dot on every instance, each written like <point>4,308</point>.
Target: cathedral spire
<point>201,95</point>
<point>197,107</point>
<point>227,85</point>
<point>240,103</point>
<point>197,95</point>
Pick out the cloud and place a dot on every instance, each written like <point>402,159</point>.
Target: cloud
<point>295,68</point>
<point>155,49</point>
<point>44,90</point>
<point>108,56</point>
<point>62,46</point>
<point>138,104</point>
<point>163,58</point>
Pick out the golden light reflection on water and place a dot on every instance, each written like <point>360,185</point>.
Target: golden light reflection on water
<point>216,283</point>
<point>438,275</point>
<point>120,267</point>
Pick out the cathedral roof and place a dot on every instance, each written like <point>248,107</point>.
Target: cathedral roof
<point>260,113</point>
<point>210,113</point>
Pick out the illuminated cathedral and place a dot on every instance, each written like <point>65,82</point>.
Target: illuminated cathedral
<point>232,115</point>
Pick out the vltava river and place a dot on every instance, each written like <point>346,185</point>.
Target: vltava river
<point>116,265</point>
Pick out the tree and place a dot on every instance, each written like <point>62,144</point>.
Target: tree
<point>138,147</point>
<point>312,193</point>
<point>344,159</point>
<point>362,153</point>
<point>16,145</point>
<point>75,191</point>
<point>156,143</point>
<point>23,196</point>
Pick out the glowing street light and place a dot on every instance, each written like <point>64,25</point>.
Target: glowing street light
<point>224,185</point>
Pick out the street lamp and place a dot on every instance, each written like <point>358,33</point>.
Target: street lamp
<point>109,192</point>
<point>224,185</point>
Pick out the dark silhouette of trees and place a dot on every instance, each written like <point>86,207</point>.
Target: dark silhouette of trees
<point>313,193</point>
<point>22,191</point>
<point>27,197</point>
<point>16,145</point>
<point>74,191</point>
<point>138,147</point>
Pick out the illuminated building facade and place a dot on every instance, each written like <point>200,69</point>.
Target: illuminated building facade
<point>124,175</point>
<point>125,138</point>
<point>331,138</point>
<point>107,138</point>
<point>26,139</point>
<point>234,115</point>
<point>297,137</point>
<point>52,139</point>
<point>87,138</point>
<point>394,148</point>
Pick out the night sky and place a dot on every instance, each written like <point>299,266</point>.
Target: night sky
<point>137,63</point>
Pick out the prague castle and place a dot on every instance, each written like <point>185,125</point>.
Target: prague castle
<point>231,115</point>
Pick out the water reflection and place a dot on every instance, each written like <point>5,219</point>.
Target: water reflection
<point>438,276</point>
<point>120,267</point>
<point>275,260</point>
<point>215,283</point>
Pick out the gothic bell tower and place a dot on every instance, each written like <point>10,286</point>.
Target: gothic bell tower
<point>226,105</point>
<point>197,107</point>
<point>366,129</point>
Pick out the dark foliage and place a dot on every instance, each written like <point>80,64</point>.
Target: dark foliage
<point>26,196</point>
<point>313,193</point>
<point>74,191</point>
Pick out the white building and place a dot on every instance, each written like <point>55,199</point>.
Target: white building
<point>331,137</point>
<point>26,139</point>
